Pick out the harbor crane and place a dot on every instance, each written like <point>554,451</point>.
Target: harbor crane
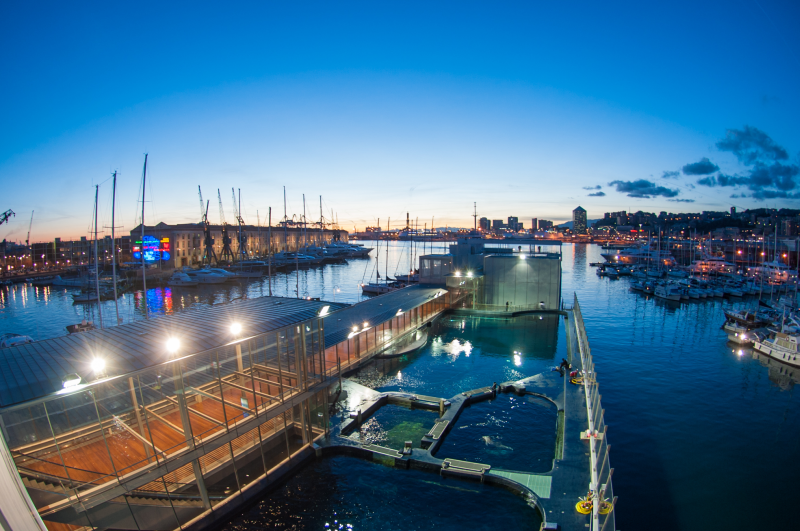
<point>28,239</point>
<point>227,253</point>
<point>203,211</point>
<point>5,215</point>
<point>208,241</point>
<point>241,239</point>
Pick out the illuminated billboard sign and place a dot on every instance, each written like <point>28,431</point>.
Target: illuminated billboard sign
<point>154,249</point>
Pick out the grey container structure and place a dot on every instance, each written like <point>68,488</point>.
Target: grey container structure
<point>523,280</point>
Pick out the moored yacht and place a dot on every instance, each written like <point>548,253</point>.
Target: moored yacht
<point>781,346</point>
<point>640,255</point>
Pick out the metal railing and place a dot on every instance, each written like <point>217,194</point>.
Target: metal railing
<point>602,492</point>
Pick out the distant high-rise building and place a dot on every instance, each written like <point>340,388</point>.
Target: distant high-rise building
<point>733,211</point>
<point>545,224</point>
<point>497,224</point>
<point>534,224</point>
<point>579,221</point>
<point>514,224</point>
<point>484,224</point>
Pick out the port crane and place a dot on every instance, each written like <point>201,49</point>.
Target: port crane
<point>226,253</point>
<point>5,215</point>
<point>4,219</point>
<point>208,241</point>
<point>28,239</point>
<point>241,238</point>
<point>203,209</point>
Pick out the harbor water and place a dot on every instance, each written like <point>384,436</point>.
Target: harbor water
<point>703,434</point>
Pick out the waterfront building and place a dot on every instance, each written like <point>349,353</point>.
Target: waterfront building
<point>497,224</point>
<point>545,224</point>
<point>485,224</point>
<point>182,244</point>
<point>534,225</point>
<point>154,424</point>
<point>579,221</point>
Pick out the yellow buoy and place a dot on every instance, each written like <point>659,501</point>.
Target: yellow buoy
<point>583,507</point>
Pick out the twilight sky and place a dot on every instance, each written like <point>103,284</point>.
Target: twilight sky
<point>528,108</point>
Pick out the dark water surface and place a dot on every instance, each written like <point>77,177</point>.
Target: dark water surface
<point>344,493</point>
<point>701,436</point>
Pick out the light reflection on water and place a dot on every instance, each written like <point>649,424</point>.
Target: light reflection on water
<point>44,312</point>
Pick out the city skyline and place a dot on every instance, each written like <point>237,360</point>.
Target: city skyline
<point>543,111</point>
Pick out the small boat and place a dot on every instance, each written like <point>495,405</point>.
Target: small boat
<point>782,347</point>
<point>204,276</point>
<point>179,279</point>
<point>668,291</point>
<point>88,296</point>
<point>83,326</point>
<point>373,288</point>
<point>612,274</point>
<point>407,278</point>
<point>12,340</point>
<point>747,319</point>
<point>42,281</point>
<point>76,282</point>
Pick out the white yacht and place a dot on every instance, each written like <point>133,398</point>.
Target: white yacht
<point>205,276</point>
<point>774,271</point>
<point>668,291</point>
<point>640,255</point>
<point>782,347</point>
<point>373,288</point>
<point>180,279</point>
<point>712,264</point>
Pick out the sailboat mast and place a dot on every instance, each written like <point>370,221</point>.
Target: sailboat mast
<point>285,222</point>
<point>386,267</point>
<point>269,253</point>
<point>144,275</point>
<point>305,230</point>
<point>114,245</point>
<point>96,270</point>
<point>378,255</point>
<point>321,220</point>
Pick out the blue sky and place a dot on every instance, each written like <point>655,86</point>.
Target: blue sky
<point>385,109</point>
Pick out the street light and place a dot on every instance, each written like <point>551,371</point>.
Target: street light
<point>173,345</point>
<point>236,328</point>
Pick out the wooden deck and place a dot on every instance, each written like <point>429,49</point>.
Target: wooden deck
<point>101,457</point>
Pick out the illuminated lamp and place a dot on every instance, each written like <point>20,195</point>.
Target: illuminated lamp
<point>173,345</point>
<point>236,328</point>
<point>70,380</point>
<point>98,364</point>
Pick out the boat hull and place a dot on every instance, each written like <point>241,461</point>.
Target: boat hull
<point>768,349</point>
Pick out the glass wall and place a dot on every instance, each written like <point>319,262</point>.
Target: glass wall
<point>204,424</point>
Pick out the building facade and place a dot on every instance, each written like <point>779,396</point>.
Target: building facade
<point>579,221</point>
<point>183,245</point>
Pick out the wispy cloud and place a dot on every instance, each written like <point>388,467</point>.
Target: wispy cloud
<point>681,200</point>
<point>598,194</point>
<point>592,187</point>
<point>751,145</point>
<point>701,167</point>
<point>767,177</point>
<point>670,175</point>
<point>643,189</point>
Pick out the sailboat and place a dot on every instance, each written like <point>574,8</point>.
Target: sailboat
<point>376,288</point>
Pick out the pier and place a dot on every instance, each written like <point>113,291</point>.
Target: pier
<point>581,468</point>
